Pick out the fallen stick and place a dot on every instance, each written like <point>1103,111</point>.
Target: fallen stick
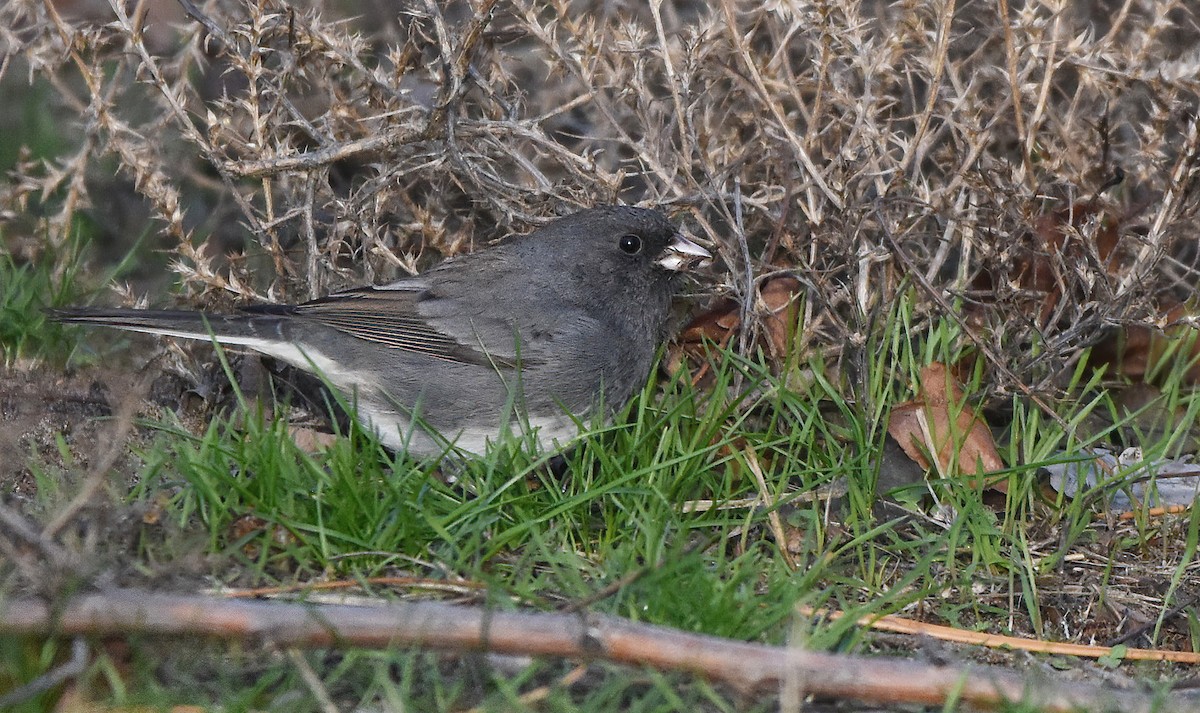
<point>750,668</point>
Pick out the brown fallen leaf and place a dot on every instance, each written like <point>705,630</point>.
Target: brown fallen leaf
<point>940,422</point>
<point>779,308</point>
<point>776,307</point>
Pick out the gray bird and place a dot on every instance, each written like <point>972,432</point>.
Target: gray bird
<point>536,332</point>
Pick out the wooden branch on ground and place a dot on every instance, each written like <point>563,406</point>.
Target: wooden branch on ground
<point>751,668</point>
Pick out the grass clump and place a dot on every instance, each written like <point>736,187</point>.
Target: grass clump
<point>26,289</point>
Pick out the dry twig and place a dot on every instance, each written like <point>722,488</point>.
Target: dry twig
<point>748,667</point>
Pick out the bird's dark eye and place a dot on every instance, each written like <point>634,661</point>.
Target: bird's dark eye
<point>631,244</point>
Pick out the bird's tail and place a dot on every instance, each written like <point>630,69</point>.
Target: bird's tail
<point>228,329</point>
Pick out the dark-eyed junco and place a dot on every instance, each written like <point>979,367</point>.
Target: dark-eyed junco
<point>536,332</point>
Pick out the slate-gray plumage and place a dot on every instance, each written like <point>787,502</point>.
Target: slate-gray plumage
<point>534,332</point>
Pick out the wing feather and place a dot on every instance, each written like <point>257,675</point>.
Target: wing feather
<point>388,316</point>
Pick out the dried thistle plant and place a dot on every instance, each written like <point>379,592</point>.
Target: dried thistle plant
<point>869,148</point>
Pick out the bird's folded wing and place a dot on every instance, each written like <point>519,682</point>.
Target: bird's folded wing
<point>389,316</point>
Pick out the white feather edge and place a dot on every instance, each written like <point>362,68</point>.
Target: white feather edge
<point>305,359</point>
